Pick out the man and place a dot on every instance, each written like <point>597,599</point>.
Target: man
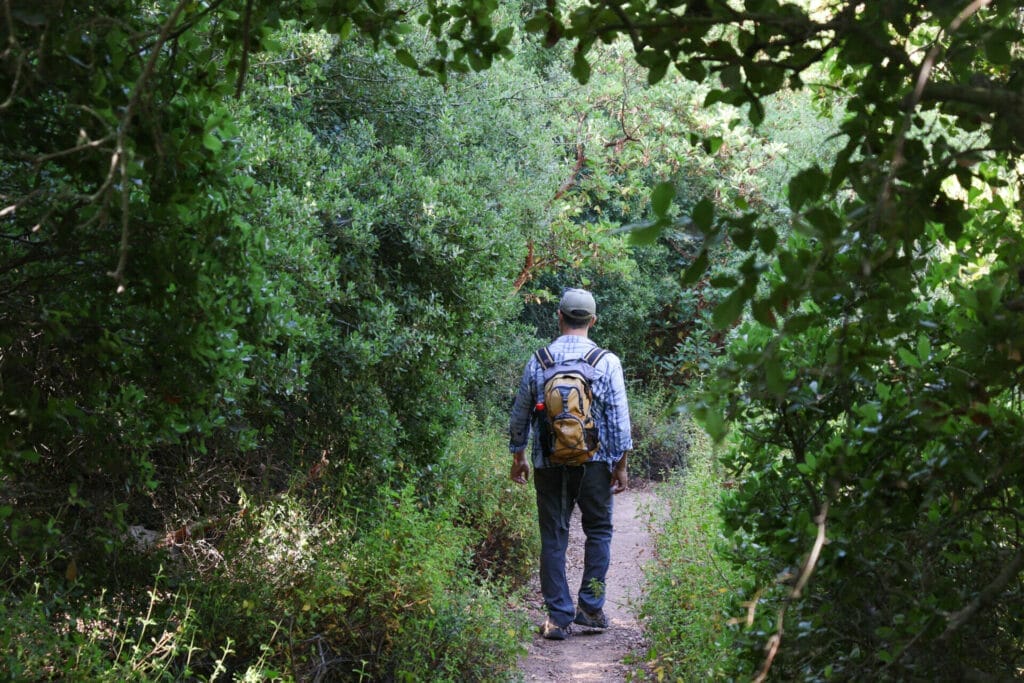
<point>561,487</point>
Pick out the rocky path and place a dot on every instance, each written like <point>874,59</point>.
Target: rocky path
<point>600,656</point>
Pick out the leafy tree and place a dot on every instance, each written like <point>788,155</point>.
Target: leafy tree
<point>238,304</point>
<point>876,390</point>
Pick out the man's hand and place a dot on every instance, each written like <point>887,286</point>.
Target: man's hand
<point>520,468</point>
<point>620,477</point>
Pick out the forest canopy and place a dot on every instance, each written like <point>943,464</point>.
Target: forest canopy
<point>259,252</point>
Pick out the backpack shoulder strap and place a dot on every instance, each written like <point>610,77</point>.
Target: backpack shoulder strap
<point>594,356</point>
<point>544,357</point>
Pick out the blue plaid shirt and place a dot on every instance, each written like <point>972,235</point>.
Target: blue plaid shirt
<point>610,408</point>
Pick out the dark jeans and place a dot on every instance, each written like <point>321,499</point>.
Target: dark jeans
<point>559,489</point>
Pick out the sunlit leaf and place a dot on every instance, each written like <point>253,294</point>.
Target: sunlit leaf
<point>661,198</point>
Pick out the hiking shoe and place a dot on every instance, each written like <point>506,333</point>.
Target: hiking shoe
<point>591,619</point>
<point>553,631</point>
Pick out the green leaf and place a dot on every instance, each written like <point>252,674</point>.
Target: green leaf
<point>798,323</point>
<point>805,186</point>
<point>767,239</point>
<point>712,144</point>
<point>728,311</point>
<point>212,142</point>
<point>405,58</point>
<point>642,236</point>
<point>825,222</point>
<point>704,215</point>
<point>642,232</point>
<point>775,377</point>
<point>695,269</point>
<point>346,30</point>
<point>479,62</point>
<point>580,67</point>
<point>658,70</point>
<point>924,348</point>
<point>756,113</point>
<point>693,70</point>
<point>731,76</point>
<point>538,22</point>
<point>661,198</point>
<point>504,36</point>
<point>762,311</point>
<point>908,358</point>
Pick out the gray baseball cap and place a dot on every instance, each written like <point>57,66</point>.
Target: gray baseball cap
<point>577,305</point>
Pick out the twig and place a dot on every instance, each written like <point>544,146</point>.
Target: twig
<point>72,150</point>
<point>12,48</point>
<point>20,203</point>
<point>118,160</point>
<point>530,265</point>
<point>122,252</point>
<point>772,646</point>
<point>927,64</point>
<point>246,26</point>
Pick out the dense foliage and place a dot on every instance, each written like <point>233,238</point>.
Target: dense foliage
<point>876,390</point>
<point>257,273</point>
<point>238,327</point>
<point>689,606</point>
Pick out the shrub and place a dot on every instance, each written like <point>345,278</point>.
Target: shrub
<point>53,632</point>
<point>662,437</point>
<point>409,585</point>
<point>690,602</point>
<point>499,514</point>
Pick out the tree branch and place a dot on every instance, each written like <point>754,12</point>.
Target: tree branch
<point>986,596</point>
<point>992,98</point>
<point>246,27</point>
<point>119,160</point>
<point>772,646</point>
<point>923,76</point>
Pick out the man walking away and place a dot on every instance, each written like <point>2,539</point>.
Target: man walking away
<point>570,390</point>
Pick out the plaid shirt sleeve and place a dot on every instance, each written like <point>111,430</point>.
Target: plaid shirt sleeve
<point>612,410</point>
<point>522,410</point>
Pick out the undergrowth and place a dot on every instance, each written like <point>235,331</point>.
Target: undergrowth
<point>689,611</point>
<point>661,441</point>
<point>411,586</point>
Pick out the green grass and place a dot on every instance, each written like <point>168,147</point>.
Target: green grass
<point>689,611</point>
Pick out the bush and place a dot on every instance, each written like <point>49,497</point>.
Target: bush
<point>662,437</point>
<point>408,586</point>
<point>500,514</point>
<point>53,632</point>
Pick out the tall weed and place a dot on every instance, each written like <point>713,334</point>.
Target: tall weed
<point>410,585</point>
<point>689,607</point>
<point>53,633</point>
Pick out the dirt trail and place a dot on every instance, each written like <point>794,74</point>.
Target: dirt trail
<point>599,656</point>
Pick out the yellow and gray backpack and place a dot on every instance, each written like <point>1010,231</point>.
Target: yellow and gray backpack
<point>567,431</point>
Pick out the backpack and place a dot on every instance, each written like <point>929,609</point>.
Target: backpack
<point>567,431</point>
